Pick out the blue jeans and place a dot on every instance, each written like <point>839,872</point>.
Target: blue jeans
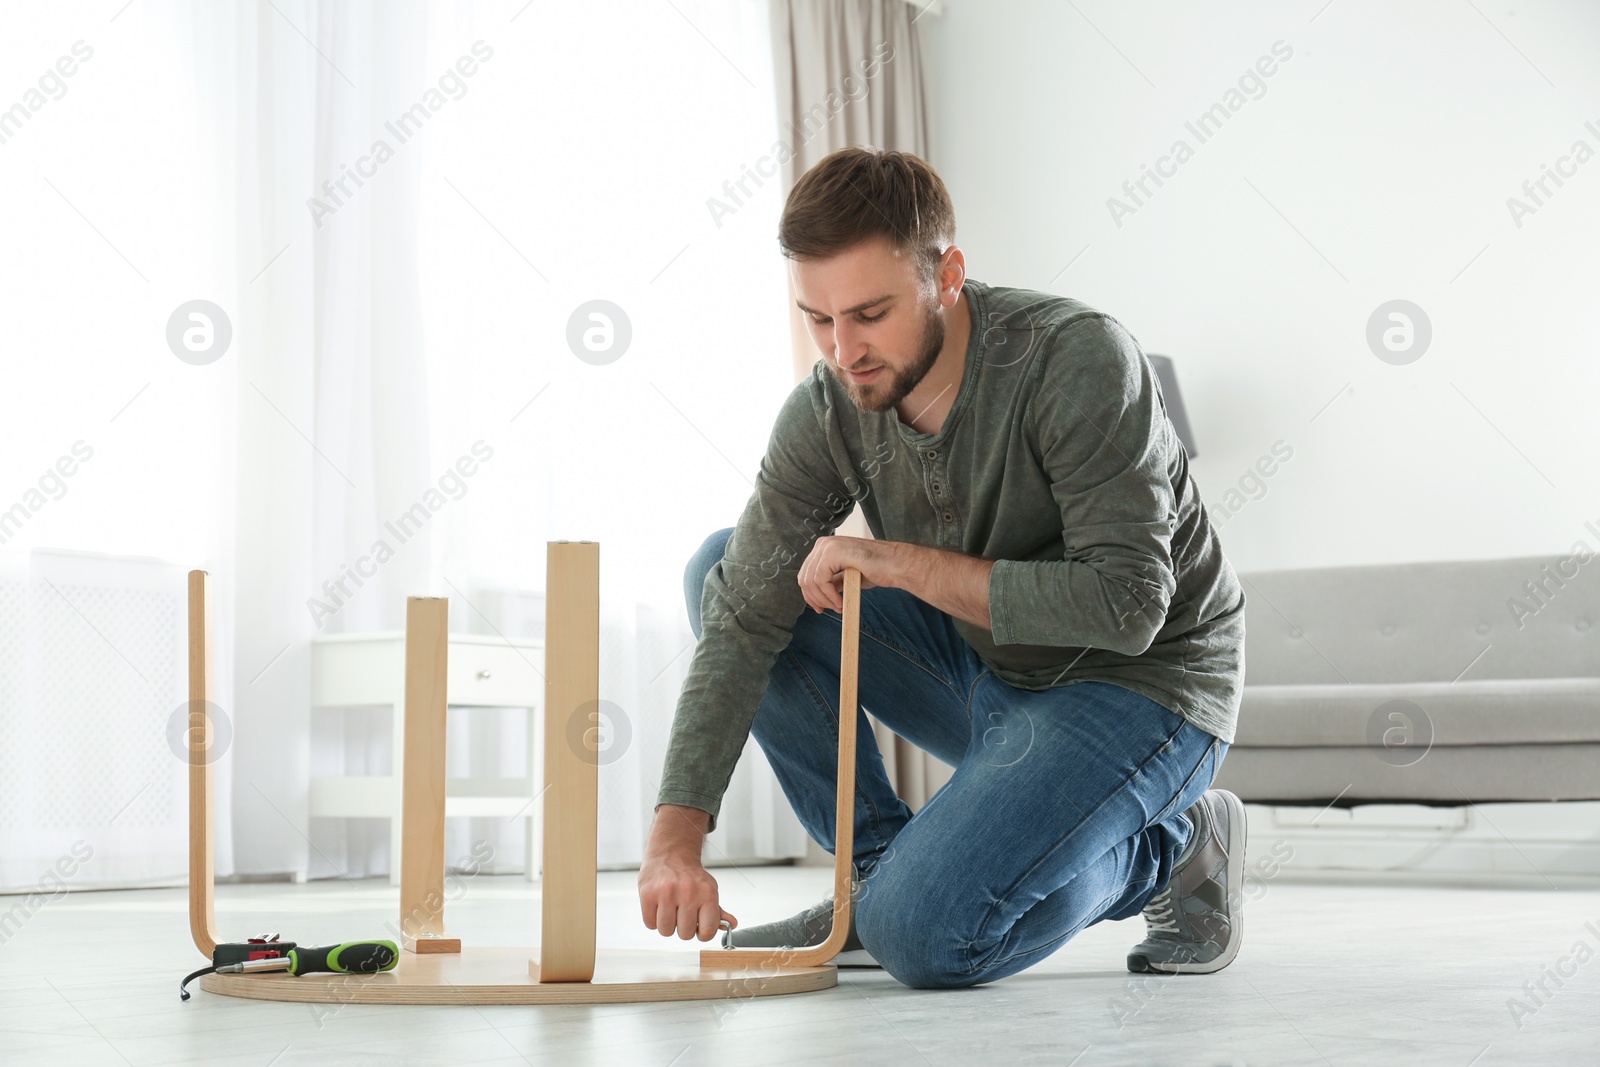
<point>1066,806</point>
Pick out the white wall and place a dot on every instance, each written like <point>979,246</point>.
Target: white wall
<point>1390,139</point>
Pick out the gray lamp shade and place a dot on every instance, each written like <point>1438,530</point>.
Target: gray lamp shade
<point>1173,399</point>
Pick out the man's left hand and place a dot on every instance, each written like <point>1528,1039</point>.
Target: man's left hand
<point>822,574</point>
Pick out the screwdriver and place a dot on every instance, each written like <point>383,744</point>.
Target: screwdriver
<point>348,957</point>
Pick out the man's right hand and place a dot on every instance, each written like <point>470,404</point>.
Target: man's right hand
<point>676,893</point>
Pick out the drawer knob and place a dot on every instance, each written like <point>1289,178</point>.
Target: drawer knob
<point>483,675</point>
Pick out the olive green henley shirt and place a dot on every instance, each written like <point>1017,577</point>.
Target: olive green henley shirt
<point>1057,460</point>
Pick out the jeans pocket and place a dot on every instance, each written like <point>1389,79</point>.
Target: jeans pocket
<point>1209,757</point>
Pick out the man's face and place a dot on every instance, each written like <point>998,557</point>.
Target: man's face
<point>874,322</point>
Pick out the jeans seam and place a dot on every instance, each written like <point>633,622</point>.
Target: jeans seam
<point>1011,889</point>
<point>973,689</point>
<point>1167,810</point>
<point>1049,948</point>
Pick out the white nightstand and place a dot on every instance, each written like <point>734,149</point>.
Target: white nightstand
<point>366,669</point>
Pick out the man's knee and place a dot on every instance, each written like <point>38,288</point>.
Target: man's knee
<point>915,936</point>
<point>694,575</point>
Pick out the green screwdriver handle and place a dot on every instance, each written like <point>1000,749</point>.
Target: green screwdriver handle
<point>349,957</point>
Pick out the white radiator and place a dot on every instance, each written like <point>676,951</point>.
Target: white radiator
<point>92,667</point>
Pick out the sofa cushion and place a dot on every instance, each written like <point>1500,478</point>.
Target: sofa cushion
<point>1529,617</point>
<point>1450,775</point>
<point>1495,711</point>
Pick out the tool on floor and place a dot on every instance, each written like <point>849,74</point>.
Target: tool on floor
<point>264,947</point>
<point>267,953</point>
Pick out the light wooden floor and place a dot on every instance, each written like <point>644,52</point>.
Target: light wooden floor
<point>1328,975</point>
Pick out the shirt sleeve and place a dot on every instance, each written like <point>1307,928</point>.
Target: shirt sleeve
<point>1101,431</point>
<point>751,601</point>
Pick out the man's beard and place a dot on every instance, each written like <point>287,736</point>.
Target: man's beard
<point>876,396</point>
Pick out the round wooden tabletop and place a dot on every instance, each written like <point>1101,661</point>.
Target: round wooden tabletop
<point>508,976</point>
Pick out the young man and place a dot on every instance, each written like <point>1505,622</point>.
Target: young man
<point>1045,607</point>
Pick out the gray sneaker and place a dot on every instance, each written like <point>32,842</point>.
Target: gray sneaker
<point>1195,924</point>
<point>810,927</point>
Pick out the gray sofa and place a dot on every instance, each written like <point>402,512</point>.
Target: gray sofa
<point>1421,683</point>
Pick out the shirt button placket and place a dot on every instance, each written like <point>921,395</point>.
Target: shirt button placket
<point>940,498</point>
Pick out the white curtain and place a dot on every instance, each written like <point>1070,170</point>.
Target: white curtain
<point>381,328</point>
<point>331,402</point>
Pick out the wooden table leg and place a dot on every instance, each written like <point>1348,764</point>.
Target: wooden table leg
<point>844,815</point>
<point>571,763</point>
<point>423,785</point>
<point>201,734</point>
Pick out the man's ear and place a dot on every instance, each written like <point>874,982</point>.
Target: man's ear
<point>951,275</point>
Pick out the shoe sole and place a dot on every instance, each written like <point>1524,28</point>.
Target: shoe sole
<point>1236,818</point>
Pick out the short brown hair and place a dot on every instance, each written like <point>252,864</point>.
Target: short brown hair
<point>856,194</point>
